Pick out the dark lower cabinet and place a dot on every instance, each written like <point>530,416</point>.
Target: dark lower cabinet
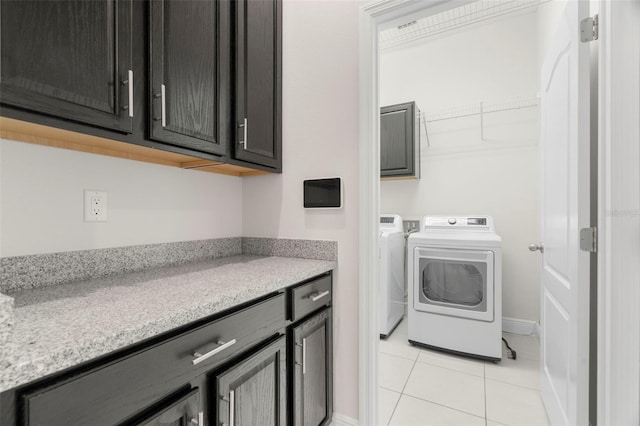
<point>253,392</point>
<point>190,73</point>
<point>312,380</point>
<point>259,82</point>
<point>399,141</point>
<point>70,59</point>
<point>244,367</point>
<point>186,410</point>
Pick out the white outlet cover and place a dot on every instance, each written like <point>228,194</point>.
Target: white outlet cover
<point>95,206</point>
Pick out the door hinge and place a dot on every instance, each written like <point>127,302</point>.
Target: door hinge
<point>589,239</point>
<point>589,29</point>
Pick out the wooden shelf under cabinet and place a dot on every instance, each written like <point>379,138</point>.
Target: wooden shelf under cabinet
<point>23,131</point>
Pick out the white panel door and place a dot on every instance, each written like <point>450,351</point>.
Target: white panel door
<point>564,361</point>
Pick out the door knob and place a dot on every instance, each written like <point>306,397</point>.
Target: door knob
<point>537,247</point>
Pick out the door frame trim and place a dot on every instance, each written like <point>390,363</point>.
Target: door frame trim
<point>618,213</point>
<point>372,18</point>
<point>615,311</point>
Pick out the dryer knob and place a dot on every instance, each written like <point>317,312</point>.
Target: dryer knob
<point>452,221</point>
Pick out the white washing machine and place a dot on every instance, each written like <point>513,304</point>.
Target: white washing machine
<point>391,241</point>
<point>455,286</point>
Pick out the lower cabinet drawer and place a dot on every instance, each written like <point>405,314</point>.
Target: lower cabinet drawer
<point>126,386</point>
<point>310,297</point>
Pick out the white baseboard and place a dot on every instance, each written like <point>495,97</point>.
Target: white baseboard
<point>538,330</point>
<point>342,420</point>
<point>519,326</point>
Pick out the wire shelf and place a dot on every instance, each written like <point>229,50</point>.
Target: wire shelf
<point>451,19</point>
<point>479,108</point>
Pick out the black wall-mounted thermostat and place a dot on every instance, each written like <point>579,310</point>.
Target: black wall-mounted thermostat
<point>323,193</point>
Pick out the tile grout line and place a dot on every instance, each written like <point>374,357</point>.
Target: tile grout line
<point>514,384</point>
<point>408,377</point>
<point>395,407</point>
<point>442,405</point>
<point>484,382</point>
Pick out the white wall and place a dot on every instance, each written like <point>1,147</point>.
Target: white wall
<point>320,139</point>
<point>41,189</point>
<point>462,174</point>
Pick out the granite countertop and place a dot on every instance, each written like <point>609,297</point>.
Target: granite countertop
<point>60,326</point>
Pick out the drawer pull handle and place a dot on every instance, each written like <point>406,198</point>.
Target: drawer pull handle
<point>317,296</point>
<point>201,357</point>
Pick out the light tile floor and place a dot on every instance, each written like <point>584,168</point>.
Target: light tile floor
<point>423,387</point>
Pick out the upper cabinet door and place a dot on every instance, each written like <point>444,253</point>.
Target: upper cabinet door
<point>70,59</point>
<point>190,73</point>
<point>259,82</point>
<point>399,141</point>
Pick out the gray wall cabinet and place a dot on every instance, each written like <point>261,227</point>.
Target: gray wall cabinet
<point>70,59</point>
<point>259,82</point>
<point>190,73</point>
<point>400,141</point>
<point>178,75</point>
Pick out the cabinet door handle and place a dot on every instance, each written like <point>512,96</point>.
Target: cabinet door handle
<point>245,127</point>
<point>199,421</point>
<point>163,104</point>
<point>129,83</point>
<point>130,76</point>
<point>201,357</point>
<point>232,407</point>
<point>317,296</point>
<point>304,356</point>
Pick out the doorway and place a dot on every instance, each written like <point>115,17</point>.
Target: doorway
<point>472,72</point>
<point>384,16</point>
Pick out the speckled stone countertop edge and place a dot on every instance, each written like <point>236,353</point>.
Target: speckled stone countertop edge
<point>17,371</point>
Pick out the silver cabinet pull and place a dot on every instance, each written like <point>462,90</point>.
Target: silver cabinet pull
<point>163,102</point>
<point>199,421</point>
<point>201,357</point>
<point>537,247</point>
<point>245,127</point>
<point>232,407</point>
<point>317,296</point>
<point>129,83</point>
<point>304,356</point>
<point>130,79</point>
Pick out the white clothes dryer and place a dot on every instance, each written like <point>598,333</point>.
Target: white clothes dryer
<point>391,241</point>
<point>455,286</point>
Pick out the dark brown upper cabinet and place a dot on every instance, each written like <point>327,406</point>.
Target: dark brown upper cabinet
<point>399,141</point>
<point>258,76</point>
<point>70,59</point>
<point>190,67</point>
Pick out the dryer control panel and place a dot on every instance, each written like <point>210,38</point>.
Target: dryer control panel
<point>471,223</point>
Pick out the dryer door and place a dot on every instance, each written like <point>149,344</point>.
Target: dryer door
<point>454,282</point>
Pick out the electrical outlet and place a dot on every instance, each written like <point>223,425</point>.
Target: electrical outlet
<point>410,225</point>
<point>95,206</point>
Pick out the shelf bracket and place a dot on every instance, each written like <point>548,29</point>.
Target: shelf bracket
<point>422,117</point>
<point>481,122</point>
